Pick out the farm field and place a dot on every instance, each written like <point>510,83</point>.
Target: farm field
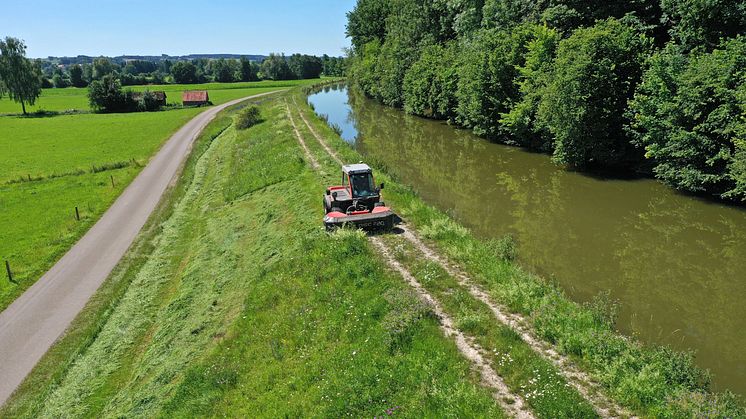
<point>235,301</point>
<point>77,98</point>
<point>72,161</point>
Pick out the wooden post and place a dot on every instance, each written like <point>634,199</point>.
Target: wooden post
<point>112,180</point>
<point>77,214</point>
<point>10,274</point>
<point>29,177</point>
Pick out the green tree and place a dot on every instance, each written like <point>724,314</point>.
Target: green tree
<point>184,72</point>
<point>595,74</point>
<point>103,67</point>
<point>106,95</point>
<point>223,71</point>
<point>20,76</point>
<point>704,22</point>
<point>367,22</point>
<point>532,79</point>
<point>275,67</point>
<point>248,70</point>
<point>486,87</point>
<point>688,114</point>
<point>76,76</point>
<point>59,81</point>
<point>430,84</point>
<point>305,66</point>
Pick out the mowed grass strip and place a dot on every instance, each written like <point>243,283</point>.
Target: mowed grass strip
<point>246,307</point>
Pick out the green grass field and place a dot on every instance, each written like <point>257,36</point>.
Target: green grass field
<point>241,305</point>
<point>77,98</point>
<point>71,160</point>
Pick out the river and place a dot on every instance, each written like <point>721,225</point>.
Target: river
<point>675,263</point>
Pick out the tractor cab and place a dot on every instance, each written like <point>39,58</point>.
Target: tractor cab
<point>357,190</point>
<point>357,200</point>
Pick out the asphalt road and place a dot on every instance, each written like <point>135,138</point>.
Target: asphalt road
<point>35,320</point>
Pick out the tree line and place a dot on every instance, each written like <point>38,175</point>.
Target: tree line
<point>201,70</point>
<point>652,86</point>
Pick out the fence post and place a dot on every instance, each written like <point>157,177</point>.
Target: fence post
<point>10,274</point>
<point>77,214</point>
<point>112,180</point>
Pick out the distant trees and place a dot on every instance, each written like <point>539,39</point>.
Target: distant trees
<point>249,70</point>
<point>305,66</point>
<point>76,76</point>
<point>19,76</point>
<point>184,72</point>
<point>333,66</point>
<point>275,67</point>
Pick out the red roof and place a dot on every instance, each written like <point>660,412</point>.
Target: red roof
<point>195,96</point>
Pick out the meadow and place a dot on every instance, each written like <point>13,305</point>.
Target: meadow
<point>52,164</point>
<point>235,302</point>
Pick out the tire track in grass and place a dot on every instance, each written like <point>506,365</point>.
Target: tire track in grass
<point>581,381</point>
<point>321,141</point>
<point>311,159</point>
<point>510,402</point>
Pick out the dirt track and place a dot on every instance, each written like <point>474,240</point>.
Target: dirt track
<point>35,320</point>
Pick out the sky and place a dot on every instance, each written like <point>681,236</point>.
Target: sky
<point>176,27</point>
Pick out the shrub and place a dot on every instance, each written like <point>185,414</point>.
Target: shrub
<point>532,79</point>
<point>430,84</point>
<point>486,87</point>
<point>106,95</point>
<point>248,117</point>
<point>688,114</point>
<point>506,248</point>
<point>595,74</point>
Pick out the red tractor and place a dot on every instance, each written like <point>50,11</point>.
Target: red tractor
<point>357,202</point>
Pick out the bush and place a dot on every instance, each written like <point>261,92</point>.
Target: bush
<point>106,95</point>
<point>486,88</point>
<point>430,84</point>
<point>248,117</point>
<point>595,74</point>
<point>688,114</point>
<point>532,79</point>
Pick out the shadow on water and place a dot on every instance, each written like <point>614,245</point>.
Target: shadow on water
<point>675,263</point>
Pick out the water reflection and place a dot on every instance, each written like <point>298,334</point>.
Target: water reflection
<point>675,263</point>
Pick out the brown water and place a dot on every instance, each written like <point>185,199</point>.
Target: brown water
<point>676,264</point>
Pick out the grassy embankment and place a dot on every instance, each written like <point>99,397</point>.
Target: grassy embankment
<point>53,164</point>
<point>234,301</point>
<point>651,381</point>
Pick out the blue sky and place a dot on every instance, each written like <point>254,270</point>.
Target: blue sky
<point>176,27</point>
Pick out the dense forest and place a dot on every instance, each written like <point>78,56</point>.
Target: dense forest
<point>619,86</point>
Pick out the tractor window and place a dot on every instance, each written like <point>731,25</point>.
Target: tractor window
<point>362,185</point>
<point>344,180</point>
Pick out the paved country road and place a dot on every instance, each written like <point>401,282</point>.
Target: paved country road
<point>35,320</point>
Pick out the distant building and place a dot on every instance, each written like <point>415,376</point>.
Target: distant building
<point>195,98</point>
<point>159,95</point>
